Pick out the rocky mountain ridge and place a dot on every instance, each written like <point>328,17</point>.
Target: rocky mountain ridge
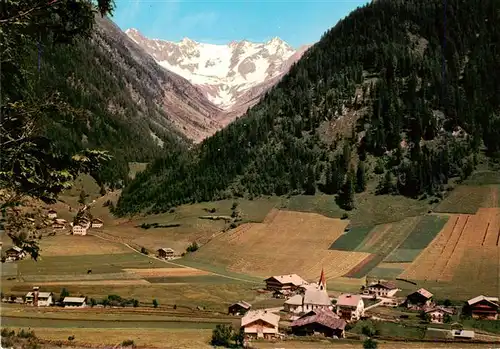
<point>231,76</point>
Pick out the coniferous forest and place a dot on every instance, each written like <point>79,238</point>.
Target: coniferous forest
<point>419,82</point>
<point>109,93</point>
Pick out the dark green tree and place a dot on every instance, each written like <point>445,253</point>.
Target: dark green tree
<point>222,335</point>
<point>360,177</point>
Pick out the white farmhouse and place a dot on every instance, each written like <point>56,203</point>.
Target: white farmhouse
<point>75,302</point>
<point>79,230</point>
<point>382,289</point>
<point>260,324</point>
<point>350,307</point>
<point>39,299</point>
<point>97,223</point>
<point>52,214</point>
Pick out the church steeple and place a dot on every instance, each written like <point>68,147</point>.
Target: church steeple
<point>322,281</point>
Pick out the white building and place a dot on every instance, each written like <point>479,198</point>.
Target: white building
<point>39,299</point>
<point>382,289</point>
<point>75,302</point>
<point>260,324</point>
<point>97,223</point>
<point>52,214</point>
<point>350,307</point>
<point>438,314</point>
<point>79,230</point>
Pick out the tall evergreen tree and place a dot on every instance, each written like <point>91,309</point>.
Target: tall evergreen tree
<point>360,178</point>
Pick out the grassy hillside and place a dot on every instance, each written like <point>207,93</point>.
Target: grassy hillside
<point>404,105</point>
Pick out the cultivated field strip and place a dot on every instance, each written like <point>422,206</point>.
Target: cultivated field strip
<point>423,266</point>
<point>466,250</point>
<point>292,242</point>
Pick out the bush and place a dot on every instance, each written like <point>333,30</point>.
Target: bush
<point>128,343</point>
<point>235,204</point>
<point>344,216</point>
<point>70,338</point>
<point>144,251</point>
<point>370,344</point>
<point>368,330</point>
<point>193,247</point>
<point>222,335</point>
<point>155,303</point>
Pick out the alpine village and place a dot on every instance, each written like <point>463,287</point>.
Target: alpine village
<point>338,189</point>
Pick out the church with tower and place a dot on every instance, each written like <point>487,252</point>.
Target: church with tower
<point>314,297</point>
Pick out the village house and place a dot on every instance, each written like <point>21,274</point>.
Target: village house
<point>97,223</point>
<point>482,307</point>
<point>284,282</point>
<point>14,253</point>
<point>350,307</point>
<point>52,214</point>
<point>314,297</point>
<point>319,321</point>
<point>438,314</point>
<point>165,252</point>
<point>239,308</point>
<point>84,222</point>
<point>382,289</point>
<point>260,324</point>
<point>58,224</point>
<point>79,230</point>
<point>419,300</point>
<point>74,302</point>
<point>39,299</point>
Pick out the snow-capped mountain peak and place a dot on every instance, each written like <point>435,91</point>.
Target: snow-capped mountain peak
<point>225,73</point>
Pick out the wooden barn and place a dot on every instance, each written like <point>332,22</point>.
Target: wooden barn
<point>284,282</point>
<point>14,253</point>
<point>319,321</point>
<point>482,307</point>
<point>419,299</point>
<point>165,252</point>
<point>239,308</point>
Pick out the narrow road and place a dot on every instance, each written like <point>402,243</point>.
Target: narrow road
<point>169,262</point>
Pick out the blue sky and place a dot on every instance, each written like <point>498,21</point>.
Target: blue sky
<point>219,22</point>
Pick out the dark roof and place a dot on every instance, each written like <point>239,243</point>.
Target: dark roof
<point>242,304</point>
<point>385,284</point>
<point>324,317</point>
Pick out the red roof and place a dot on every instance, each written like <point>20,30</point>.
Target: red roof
<point>322,279</point>
<point>323,317</point>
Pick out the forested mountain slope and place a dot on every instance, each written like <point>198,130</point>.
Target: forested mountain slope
<point>131,106</point>
<point>403,88</point>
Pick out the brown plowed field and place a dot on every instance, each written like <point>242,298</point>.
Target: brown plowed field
<point>290,242</point>
<point>466,250</point>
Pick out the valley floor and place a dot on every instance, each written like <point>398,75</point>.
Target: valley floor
<point>439,247</point>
